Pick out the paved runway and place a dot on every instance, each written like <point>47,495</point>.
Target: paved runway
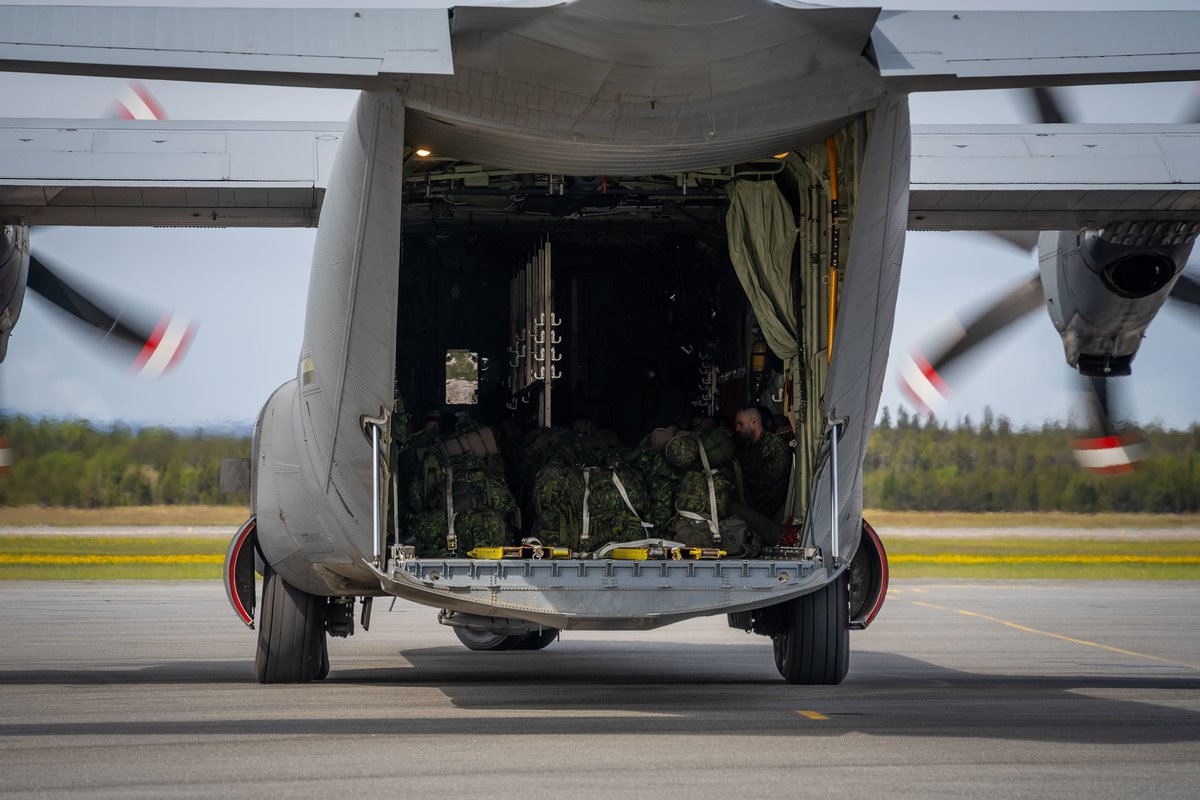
<point>982,689</point>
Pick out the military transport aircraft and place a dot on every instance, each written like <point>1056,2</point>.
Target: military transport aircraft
<point>563,188</point>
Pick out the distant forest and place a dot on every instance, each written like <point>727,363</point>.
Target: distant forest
<point>73,463</point>
<point>913,464</point>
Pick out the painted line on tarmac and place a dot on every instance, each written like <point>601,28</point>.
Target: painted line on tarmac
<point>812,715</point>
<point>35,558</point>
<point>1064,638</point>
<point>957,558</point>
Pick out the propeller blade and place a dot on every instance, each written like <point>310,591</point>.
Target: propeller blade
<point>154,349</point>
<point>1049,110</point>
<point>1111,453</point>
<point>923,376</point>
<point>134,101</point>
<point>1191,108</point>
<point>1024,241</point>
<point>1186,290</point>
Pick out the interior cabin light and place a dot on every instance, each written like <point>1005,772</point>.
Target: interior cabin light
<point>423,153</point>
<point>781,155</point>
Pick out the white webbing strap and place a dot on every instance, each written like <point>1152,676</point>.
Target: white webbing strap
<point>451,536</point>
<point>714,525</point>
<point>587,517</point>
<point>625,496</point>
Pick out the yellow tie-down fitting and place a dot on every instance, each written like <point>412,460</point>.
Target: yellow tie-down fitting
<point>664,553</point>
<point>529,548</point>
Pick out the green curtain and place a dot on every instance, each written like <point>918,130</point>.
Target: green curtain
<point>762,235</point>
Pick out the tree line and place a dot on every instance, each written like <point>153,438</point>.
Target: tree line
<point>923,464</point>
<point>75,464</point>
<point>913,463</point>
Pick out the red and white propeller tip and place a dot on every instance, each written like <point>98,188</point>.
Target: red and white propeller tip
<point>134,101</point>
<point>922,384</point>
<point>6,456</point>
<point>166,346</point>
<point>1109,455</point>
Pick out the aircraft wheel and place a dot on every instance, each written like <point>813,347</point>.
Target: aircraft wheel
<point>536,640</point>
<point>323,670</point>
<point>813,646</point>
<point>485,640</point>
<point>291,634</point>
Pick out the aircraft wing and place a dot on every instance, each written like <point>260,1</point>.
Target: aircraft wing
<point>117,172</point>
<point>271,174</point>
<point>375,42</point>
<point>952,50</point>
<point>327,47</point>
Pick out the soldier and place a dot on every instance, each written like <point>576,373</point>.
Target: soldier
<point>765,463</point>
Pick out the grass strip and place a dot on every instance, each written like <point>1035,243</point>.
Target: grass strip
<point>1027,519</point>
<point>182,516</point>
<point>199,558</point>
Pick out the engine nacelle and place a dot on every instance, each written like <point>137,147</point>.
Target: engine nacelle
<point>1104,286</point>
<point>14,271</point>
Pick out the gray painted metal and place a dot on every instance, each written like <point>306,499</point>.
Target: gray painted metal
<point>261,174</point>
<point>599,594</point>
<point>970,49</point>
<point>335,47</point>
<point>320,500</point>
<point>116,172</point>
<point>864,327</point>
<point>1052,177</point>
<point>633,87</point>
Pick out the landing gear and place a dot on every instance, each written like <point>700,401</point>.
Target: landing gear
<point>291,634</point>
<point>486,640</point>
<point>812,643</point>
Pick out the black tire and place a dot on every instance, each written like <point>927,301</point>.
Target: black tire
<point>291,633</point>
<point>536,640</point>
<point>323,670</point>
<point>485,640</point>
<point>813,647</point>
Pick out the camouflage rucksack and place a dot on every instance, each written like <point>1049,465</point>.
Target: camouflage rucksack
<point>660,481</point>
<point>595,448</point>
<point>484,508</point>
<point>611,515</point>
<point>557,504</point>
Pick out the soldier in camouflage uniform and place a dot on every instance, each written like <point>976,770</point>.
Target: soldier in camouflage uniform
<point>765,461</point>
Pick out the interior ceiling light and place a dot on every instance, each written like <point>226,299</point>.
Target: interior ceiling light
<point>422,152</point>
<point>777,155</point>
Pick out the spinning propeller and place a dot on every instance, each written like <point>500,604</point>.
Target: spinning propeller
<point>152,347</point>
<point>152,344</point>
<point>924,377</point>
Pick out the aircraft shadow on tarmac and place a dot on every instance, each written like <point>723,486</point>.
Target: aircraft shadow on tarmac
<point>664,688</point>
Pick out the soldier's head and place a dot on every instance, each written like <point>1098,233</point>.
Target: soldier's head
<point>749,424</point>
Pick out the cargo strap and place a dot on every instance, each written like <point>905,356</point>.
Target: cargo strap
<point>714,524</point>
<point>585,534</point>
<point>451,536</point>
<point>625,496</point>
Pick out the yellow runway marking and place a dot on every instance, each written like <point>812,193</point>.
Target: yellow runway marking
<point>1061,637</point>
<point>959,558</point>
<point>35,558</point>
<point>812,714</point>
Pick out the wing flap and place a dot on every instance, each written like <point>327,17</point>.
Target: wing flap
<point>351,47</point>
<point>952,50</point>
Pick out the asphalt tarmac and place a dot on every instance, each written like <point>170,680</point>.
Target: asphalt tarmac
<point>961,689</point>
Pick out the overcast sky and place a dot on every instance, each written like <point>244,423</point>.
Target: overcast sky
<point>247,287</point>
